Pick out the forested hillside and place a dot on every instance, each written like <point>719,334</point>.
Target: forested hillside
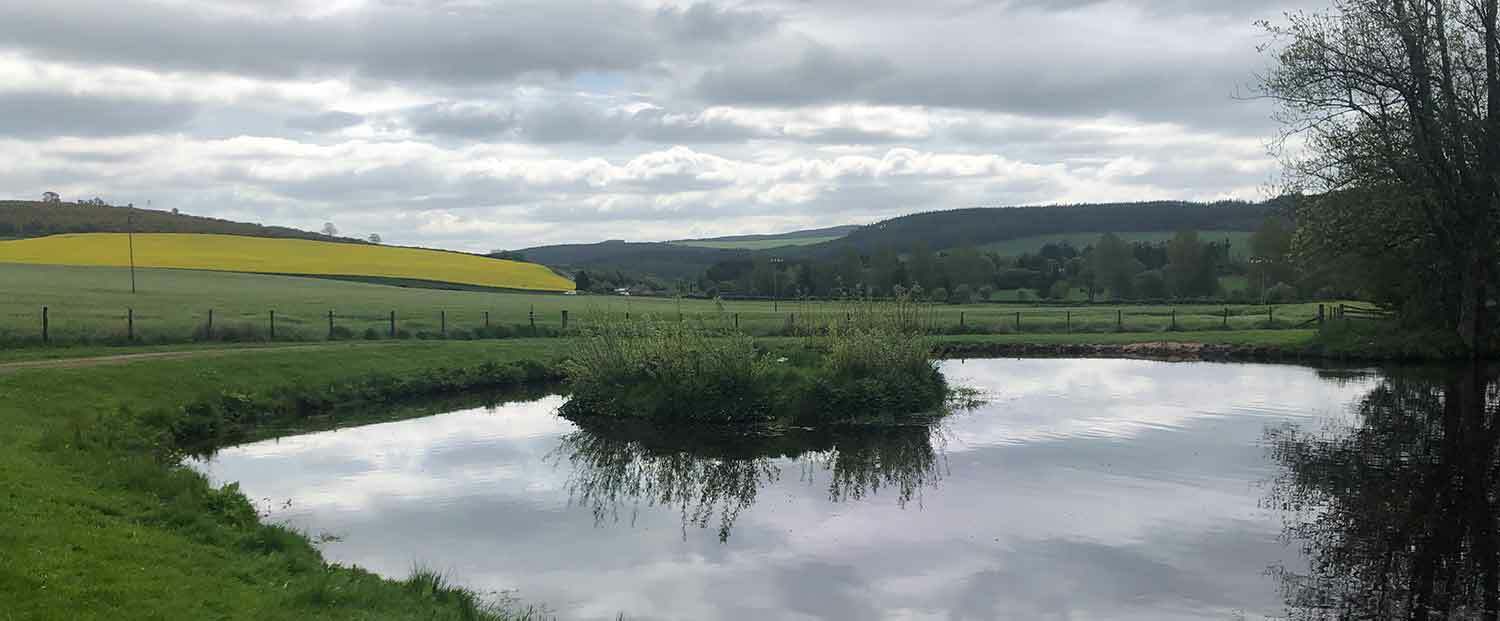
<point>758,242</point>
<point>22,219</point>
<point>938,230</point>
<point>663,260</point>
<point>979,226</point>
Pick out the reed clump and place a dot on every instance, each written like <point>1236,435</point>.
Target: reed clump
<point>670,370</point>
<point>875,362</point>
<point>870,363</point>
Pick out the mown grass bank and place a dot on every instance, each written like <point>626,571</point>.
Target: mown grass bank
<point>101,523</point>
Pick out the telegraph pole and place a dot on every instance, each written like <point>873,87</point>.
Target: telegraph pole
<point>130,235</point>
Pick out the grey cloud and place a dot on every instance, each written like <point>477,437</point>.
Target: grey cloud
<point>819,74</point>
<point>448,43</point>
<point>456,120</point>
<point>572,121</point>
<point>707,23</point>
<point>40,115</point>
<point>331,120</point>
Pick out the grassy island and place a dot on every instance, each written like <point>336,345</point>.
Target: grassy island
<point>873,364</point>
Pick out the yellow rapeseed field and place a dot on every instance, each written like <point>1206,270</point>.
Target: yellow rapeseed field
<point>235,253</point>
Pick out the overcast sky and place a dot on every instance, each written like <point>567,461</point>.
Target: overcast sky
<point>479,124</point>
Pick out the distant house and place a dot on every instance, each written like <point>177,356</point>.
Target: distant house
<point>622,291</point>
<point>51,197</point>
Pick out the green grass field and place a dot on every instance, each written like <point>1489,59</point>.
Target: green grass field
<point>760,244</point>
<point>105,532</point>
<point>1239,241</point>
<point>89,305</point>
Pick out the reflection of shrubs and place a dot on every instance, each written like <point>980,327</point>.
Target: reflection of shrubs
<point>707,471</point>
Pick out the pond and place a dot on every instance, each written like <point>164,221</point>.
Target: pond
<point>1116,489</point>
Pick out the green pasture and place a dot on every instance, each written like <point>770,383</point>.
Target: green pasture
<point>94,305</point>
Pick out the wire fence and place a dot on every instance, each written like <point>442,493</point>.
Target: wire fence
<point>50,326</point>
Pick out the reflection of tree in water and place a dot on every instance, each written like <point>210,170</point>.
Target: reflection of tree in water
<point>621,465</point>
<point>894,457</point>
<point>1397,516</point>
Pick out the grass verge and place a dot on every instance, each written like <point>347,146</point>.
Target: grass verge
<point>101,522</point>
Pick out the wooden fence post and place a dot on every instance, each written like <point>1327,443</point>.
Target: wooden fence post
<point>532,316</point>
<point>1320,316</point>
<point>486,319</point>
<point>130,324</point>
<point>273,324</point>
<point>1018,321</point>
<point>443,323</point>
<point>736,322</point>
<point>210,324</point>
<point>1270,315</point>
<point>565,320</point>
<point>393,324</point>
<point>1119,320</point>
<point>960,319</point>
<point>1174,319</point>
<point>46,338</point>
<point>1226,317</point>
<point>330,324</point>
<point>1068,322</point>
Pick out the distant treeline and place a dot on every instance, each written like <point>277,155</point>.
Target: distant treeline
<point>1185,267</point>
<point>939,231</point>
<point>1188,266</point>
<point>38,219</point>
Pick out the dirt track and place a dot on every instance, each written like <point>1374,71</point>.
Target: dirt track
<point>95,361</point>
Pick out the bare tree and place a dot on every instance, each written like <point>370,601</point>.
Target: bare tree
<point>330,230</point>
<point>1400,100</point>
<point>51,197</point>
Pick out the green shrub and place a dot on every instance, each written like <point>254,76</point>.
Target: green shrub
<point>872,361</point>
<point>668,370</point>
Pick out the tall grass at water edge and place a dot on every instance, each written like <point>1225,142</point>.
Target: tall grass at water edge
<point>871,361</point>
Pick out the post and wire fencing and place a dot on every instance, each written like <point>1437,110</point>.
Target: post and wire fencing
<point>62,326</point>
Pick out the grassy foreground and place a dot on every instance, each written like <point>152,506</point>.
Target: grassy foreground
<point>100,531</point>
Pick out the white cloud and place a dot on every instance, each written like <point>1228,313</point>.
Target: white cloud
<point>818,113</point>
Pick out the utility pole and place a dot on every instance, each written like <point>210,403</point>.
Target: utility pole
<point>775,285</point>
<point>130,236</point>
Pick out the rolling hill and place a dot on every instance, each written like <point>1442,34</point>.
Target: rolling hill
<point>24,219</point>
<point>662,259</point>
<point>262,255</point>
<point>1008,230</point>
<point>762,242</point>
<point>987,225</point>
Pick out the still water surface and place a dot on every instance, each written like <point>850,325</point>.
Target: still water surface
<point>1083,489</point>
